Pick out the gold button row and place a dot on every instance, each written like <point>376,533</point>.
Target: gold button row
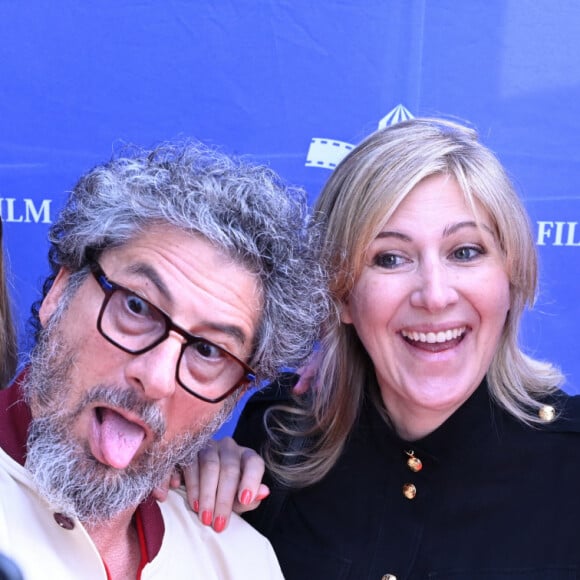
<point>415,465</point>
<point>546,413</point>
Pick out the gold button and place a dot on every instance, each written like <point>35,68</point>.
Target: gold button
<point>389,577</point>
<point>409,491</point>
<point>547,413</point>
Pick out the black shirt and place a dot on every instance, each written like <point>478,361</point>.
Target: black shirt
<point>495,499</point>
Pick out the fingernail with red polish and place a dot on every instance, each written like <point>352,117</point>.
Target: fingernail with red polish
<point>219,524</point>
<point>206,518</point>
<point>246,497</point>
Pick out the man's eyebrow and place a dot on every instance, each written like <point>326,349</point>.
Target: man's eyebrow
<point>229,329</point>
<point>148,272</point>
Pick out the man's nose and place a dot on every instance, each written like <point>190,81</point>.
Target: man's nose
<point>155,370</point>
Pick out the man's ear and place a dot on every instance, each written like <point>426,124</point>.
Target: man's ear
<point>52,299</point>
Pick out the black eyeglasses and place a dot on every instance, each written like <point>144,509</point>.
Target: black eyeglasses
<point>134,325</point>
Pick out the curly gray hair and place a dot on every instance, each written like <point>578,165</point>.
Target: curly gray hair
<point>242,208</point>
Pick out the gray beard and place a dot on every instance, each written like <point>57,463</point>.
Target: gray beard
<point>66,474</point>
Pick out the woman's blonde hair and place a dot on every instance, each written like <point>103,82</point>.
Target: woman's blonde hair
<point>362,193</point>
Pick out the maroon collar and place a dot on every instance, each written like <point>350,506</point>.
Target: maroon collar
<point>15,419</point>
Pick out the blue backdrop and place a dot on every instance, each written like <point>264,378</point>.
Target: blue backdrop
<point>293,83</point>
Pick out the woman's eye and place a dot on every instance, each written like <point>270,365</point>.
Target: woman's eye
<point>467,253</point>
<point>388,260</point>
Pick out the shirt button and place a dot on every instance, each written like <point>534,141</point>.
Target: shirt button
<point>413,463</point>
<point>389,577</point>
<point>409,491</point>
<point>64,521</point>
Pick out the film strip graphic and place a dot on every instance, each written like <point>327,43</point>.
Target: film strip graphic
<point>328,153</point>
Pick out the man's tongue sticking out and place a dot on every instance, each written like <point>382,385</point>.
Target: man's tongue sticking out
<point>117,439</point>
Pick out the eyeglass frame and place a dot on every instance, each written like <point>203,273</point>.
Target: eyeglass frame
<point>109,288</point>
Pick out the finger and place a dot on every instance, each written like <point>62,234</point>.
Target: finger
<point>252,468</point>
<point>161,491</point>
<point>263,493</point>
<point>240,488</point>
<point>208,478</point>
<point>307,374</point>
<point>191,480</point>
<point>231,465</point>
<point>176,479</point>
<point>303,385</point>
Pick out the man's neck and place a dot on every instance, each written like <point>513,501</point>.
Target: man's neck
<point>118,544</point>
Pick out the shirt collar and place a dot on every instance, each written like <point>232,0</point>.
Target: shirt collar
<point>475,419</point>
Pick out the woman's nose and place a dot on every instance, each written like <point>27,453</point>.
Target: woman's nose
<point>435,289</point>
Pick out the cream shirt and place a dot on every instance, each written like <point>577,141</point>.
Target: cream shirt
<point>30,535</point>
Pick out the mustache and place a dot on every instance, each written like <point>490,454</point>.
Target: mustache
<point>126,399</point>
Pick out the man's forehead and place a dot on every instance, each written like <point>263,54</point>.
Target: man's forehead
<point>184,273</point>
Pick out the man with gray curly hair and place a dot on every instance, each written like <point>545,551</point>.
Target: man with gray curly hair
<point>179,277</point>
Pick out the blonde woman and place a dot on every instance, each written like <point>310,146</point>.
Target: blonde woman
<point>432,445</point>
